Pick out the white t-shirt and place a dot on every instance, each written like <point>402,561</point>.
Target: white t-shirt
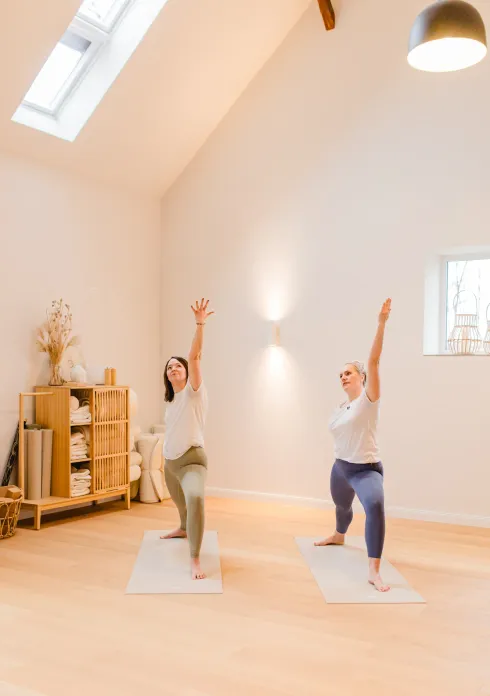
<point>184,421</point>
<point>353,427</point>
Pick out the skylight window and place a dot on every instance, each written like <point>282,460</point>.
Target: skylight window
<point>103,13</point>
<point>56,72</point>
<point>84,63</point>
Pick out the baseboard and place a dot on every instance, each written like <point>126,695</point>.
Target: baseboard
<point>325,504</point>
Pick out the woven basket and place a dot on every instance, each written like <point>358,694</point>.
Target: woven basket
<point>10,503</point>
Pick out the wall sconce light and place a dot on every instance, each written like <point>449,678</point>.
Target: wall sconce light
<point>276,335</point>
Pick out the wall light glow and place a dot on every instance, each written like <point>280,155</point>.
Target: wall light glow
<point>274,278</point>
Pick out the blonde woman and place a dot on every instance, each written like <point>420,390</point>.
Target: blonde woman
<point>357,469</point>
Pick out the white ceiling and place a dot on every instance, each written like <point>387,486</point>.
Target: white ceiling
<point>193,64</point>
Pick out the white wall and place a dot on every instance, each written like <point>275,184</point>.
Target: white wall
<point>97,249</point>
<point>324,190</point>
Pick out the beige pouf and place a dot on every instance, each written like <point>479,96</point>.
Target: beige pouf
<point>152,481</point>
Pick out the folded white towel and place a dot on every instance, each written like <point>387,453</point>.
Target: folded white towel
<point>77,437</point>
<point>78,494</point>
<point>77,485</point>
<point>82,430</point>
<point>79,415</point>
<point>85,473</point>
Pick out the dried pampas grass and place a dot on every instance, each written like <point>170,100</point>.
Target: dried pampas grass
<point>55,336</point>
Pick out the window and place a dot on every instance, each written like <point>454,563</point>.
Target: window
<point>73,54</point>
<point>457,281</point>
<point>103,13</point>
<point>467,291</point>
<point>84,63</point>
<point>58,72</point>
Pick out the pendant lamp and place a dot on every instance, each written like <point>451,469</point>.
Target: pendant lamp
<point>448,35</point>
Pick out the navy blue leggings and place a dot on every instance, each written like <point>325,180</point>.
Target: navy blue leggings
<point>365,480</point>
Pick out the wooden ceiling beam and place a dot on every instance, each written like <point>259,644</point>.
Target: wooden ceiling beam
<point>328,14</point>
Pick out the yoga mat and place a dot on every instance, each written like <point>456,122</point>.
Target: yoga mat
<point>34,463</point>
<point>163,566</point>
<point>26,468</point>
<point>341,574</point>
<point>47,452</point>
<point>13,690</point>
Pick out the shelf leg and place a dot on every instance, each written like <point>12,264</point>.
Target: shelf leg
<point>37,518</point>
<point>127,498</point>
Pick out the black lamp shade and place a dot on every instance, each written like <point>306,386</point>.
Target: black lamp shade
<point>448,35</point>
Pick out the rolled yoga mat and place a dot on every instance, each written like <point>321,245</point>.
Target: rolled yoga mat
<point>28,426</point>
<point>47,454</point>
<point>34,464</point>
<point>341,574</point>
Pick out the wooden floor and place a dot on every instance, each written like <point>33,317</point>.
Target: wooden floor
<point>68,629</point>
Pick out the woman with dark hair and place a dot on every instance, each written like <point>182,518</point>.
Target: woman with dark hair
<point>357,469</point>
<point>185,458</point>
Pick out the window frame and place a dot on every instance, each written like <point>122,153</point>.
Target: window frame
<point>107,28</point>
<point>98,37</point>
<point>444,261</point>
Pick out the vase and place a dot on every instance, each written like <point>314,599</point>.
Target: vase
<point>56,379</point>
<point>78,374</point>
<point>465,337</point>
<point>486,340</point>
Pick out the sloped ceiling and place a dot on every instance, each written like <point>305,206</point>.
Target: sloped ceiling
<point>191,67</point>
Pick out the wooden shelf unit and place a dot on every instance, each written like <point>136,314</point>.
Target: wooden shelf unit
<point>109,444</point>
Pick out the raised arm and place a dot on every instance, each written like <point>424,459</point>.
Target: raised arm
<point>200,314</point>
<point>373,389</point>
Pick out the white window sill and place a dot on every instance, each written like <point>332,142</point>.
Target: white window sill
<point>454,355</point>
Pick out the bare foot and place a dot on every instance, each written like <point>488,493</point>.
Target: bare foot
<point>197,573</point>
<point>375,579</point>
<point>336,539</point>
<point>176,534</point>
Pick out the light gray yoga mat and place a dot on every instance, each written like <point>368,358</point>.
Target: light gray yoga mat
<point>7,689</point>
<point>163,566</point>
<point>341,574</point>
<point>47,453</point>
<point>34,464</point>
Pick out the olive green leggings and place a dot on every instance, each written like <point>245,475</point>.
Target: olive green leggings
<point>185,478</point>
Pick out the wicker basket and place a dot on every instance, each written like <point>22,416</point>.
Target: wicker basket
<point>465,337</point>
<point>10,503</point>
